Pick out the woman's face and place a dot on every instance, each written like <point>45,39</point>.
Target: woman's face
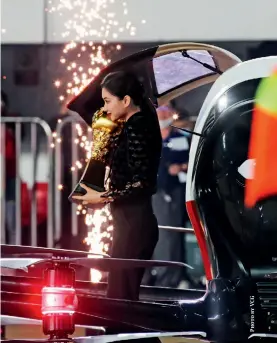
<point>114,107</point>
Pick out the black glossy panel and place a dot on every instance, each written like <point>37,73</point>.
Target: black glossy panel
<point>250,235</point>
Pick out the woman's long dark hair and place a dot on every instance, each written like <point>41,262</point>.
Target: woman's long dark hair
<point>122,83</point>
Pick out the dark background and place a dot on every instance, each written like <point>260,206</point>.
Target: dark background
<point>29,72</point>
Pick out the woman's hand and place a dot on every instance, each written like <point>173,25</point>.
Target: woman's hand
<point>92,197</point>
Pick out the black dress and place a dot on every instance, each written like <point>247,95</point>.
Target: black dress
<point>132,182</point>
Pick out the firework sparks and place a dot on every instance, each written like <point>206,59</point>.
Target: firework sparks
<point>88,21</point>
<point>99,237</point>
<point>91,24</point>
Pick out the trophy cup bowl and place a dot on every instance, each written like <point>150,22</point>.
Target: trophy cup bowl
<point>94,174</point>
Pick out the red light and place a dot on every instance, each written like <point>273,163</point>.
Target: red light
<point>59,300</point>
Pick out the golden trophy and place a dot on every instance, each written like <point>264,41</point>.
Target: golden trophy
<point>93,176</point>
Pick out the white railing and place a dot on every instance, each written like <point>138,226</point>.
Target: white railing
<point>34,123</point>
<point>54,178</point>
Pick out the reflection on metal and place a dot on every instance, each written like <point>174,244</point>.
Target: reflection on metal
<point>34,123</point>
<point>179,229</point>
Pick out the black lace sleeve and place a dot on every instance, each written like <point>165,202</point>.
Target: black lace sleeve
<point>138,146</point>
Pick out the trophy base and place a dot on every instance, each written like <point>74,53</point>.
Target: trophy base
<point>81,191</point>
<point>94,171</point>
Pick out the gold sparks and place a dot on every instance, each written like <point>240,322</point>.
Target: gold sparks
<point>89,26</point>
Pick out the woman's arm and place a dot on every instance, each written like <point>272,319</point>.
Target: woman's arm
<point>139,160</point>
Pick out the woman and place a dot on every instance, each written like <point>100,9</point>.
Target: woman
<point>132,179</point>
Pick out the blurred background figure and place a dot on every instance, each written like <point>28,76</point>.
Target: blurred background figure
<point>183,120</point>
<point>8,153</point>
<point>169,201</point>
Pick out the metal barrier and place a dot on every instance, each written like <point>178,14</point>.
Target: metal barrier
<point>75,156</point>
<point>34,122</point>
<point>54,201</point>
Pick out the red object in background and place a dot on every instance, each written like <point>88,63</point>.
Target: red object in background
<point>41,197</point>
<point>262,149</point>
<point>9,151</point>
<point>263,141</point>
<point>25,205</point>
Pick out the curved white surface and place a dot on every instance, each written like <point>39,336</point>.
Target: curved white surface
<point>252,69</point>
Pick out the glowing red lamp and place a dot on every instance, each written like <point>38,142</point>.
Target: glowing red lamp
<point>59,301</point>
